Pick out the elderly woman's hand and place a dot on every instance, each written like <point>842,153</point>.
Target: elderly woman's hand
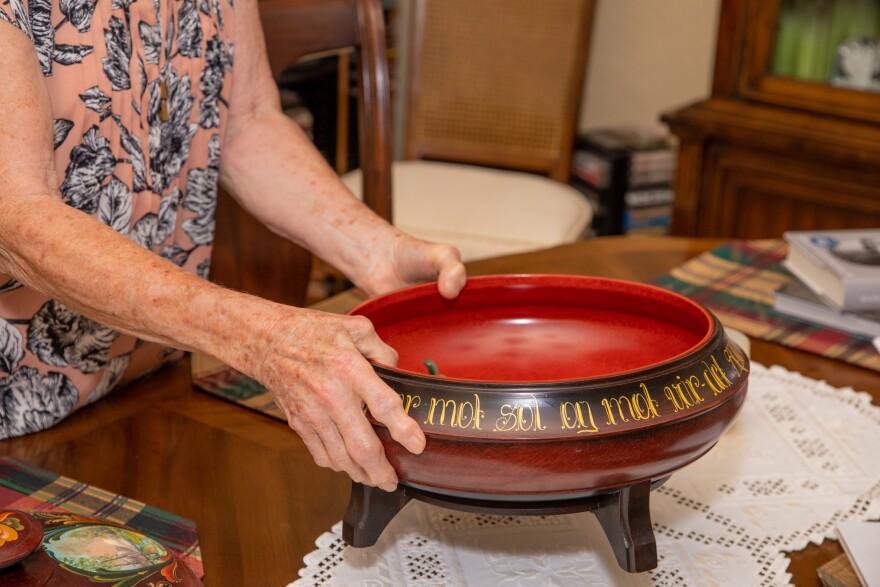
<point>411,261</point>
<point>316,365</point>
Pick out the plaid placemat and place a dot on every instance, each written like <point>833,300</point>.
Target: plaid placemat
<point>229,384</point>
<point>24,486</point>
<point>736,281</point>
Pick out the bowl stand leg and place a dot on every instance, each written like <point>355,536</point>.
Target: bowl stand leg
<point>624,515</point>
<point>626,520</point>
<point>369,510</point>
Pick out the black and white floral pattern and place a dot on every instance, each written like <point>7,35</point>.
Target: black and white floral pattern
<point>31,401</point>
<point>36,22</point>
<point>168,215</point>
<point>125,168</point>
<point>20,17</point>
<point>71,54</point>
<point>204,269</point>
<point>79,13</point>
<point>201,197</point>
<point>132,146</point>
<point>153,229</point>
<point>42,32</point>
<point>114,206</point>
<point>10,285</point>
<point>111,378</point>
<point>218,13</point>
<point>151,37</point>
<point>218,61</point>
<point>97,100</point>
<point>170,139</point>
<point>11,351</point>
<point>143,233</point>
<point>91,162</point>
<point>176,254</point>
<point>59,336</point>
<point>117,39</point>
<point>61,128</point>
<point>189,30</point>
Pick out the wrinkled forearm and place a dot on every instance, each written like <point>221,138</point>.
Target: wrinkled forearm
<point>275,172</point>
<point>88,267</point>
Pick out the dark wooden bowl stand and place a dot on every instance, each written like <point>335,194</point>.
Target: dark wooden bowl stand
<point>623,513</point>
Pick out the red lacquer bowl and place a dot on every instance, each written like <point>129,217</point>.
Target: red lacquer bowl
<point>554,384</point>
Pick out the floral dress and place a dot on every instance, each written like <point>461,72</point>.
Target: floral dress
<point>139,91</point>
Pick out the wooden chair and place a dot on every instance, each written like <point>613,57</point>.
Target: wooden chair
<point>492,85</point>
<point>247,256</point>
<point>497,82</point>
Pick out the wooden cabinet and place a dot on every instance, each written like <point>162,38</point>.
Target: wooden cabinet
<point>769,151</point>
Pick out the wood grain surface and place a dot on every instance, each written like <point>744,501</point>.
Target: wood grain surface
<point>248,481</point>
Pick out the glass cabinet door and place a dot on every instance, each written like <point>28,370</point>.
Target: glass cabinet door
<point>820,55</point>
<point>829,41</point>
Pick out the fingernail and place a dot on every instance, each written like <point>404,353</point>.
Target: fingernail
<point>389,487</point>
<point>416,443</point>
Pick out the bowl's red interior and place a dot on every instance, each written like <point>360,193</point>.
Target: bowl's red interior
<point>534,328</point>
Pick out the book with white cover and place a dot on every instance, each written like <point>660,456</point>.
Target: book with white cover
<point>842,266</point>
<point>797,300</point>
<point>861,542</point>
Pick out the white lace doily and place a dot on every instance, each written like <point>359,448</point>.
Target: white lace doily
<point>801,456</point>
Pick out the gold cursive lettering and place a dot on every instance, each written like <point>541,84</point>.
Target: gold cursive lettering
<point>577,416</point>
<point>736,358</point>
<point>524,417</point>
<point>639,406</point>
<point>507,421</point>
<point>683,392</point>
<point>461,414</point>
<point>410,401</point>
<point>715,377</point>
<point>475,415</point>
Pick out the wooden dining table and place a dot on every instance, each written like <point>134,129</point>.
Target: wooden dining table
<point>248,481</point>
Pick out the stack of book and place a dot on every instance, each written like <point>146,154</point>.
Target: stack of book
<point>859,565</point>
<point>836,279</point>
<point>627,174</point>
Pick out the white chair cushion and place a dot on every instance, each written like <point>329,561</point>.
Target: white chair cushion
<point>484,212</point>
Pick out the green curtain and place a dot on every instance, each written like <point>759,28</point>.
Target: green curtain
<point>809,32</point>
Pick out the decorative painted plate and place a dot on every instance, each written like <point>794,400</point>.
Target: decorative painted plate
<point>79,550</point>
<point>20,535</point>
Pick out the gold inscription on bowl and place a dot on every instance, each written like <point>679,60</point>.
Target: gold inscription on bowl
<point>685,391</point>
<point>577,416</point>
<point>462,414</point>
<point>639,406</point>
<point>523,417</point>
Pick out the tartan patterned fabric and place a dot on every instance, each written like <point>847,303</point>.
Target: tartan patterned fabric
<point>24,486</point>
<point>736,282</point>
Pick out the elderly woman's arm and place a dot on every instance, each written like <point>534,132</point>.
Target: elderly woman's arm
<point>64,253</point>
<point>271,168</point>
<point>315,363</point>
